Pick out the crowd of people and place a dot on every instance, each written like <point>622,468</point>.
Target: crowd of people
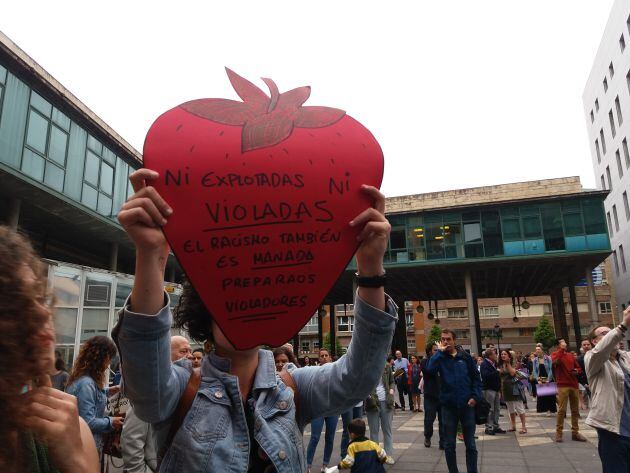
<point>218,408</point>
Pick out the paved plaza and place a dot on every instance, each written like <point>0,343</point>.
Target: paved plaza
<point>534,452</point>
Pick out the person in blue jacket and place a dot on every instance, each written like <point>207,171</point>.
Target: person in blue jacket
<point>460,392</point>
<point>243,417</point>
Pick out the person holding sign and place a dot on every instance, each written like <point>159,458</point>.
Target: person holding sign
<point>244,416</point>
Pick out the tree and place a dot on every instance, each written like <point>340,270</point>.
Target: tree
<point>339,349</point>
<point>435,334</point>
<point>545,333</point>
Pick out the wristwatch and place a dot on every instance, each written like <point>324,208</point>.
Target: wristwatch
<point>370,281</point>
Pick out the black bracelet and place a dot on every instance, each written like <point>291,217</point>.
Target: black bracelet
<point>623,328</point>
<point>371,281</point>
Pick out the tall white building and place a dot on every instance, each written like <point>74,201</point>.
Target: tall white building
<point>606,100</point>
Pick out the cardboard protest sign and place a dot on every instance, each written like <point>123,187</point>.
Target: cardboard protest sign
<point>262,191</point>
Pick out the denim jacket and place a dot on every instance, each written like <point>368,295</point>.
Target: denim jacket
<point>536,368</point>
<point>91,401</point>
<point>214,435</point>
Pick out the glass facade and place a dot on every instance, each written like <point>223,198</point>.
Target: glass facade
<point>40,142</point>
<point>572,224</point>
<point>87,302</point>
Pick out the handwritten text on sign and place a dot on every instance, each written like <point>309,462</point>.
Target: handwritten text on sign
<point>260,224</point>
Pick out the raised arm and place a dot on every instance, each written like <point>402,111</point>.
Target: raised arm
<point>335,387</point>
<point>151,382</point>
<point>595,358</point>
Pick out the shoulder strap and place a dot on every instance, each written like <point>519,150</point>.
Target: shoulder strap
<point>289,382</point>
<point>183,406</point>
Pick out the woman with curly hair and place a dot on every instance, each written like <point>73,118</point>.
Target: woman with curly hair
<point>243,417</point>
<point>87,383</point>
<point>41,430</point>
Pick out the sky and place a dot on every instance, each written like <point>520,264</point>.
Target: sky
<point>459,93</point>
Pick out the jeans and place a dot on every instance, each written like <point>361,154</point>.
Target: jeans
<point>494,399</point>
<point>401,384</point>
<point>346,417</point>
<point>431,409</point>
<point>568,395</point>
<point>382,420</point>
<point>450,418</point>
<point>614,452</point>
<point>316,431</point>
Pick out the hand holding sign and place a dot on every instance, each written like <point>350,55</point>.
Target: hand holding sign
<point>262,193</point>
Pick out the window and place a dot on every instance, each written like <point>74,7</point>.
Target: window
<point>345,309</point>
<point>605,82</point>
<point>411,344</point>
<point>601,138</point>
<point>489,311</point>
<point>616,262</point>
<point>626,153</point>
<point>597,101</point>
<point>305,346</point>
<point>460,334</point>
<point>599,156</point>
<point>618,109</point>
<point>526,332</point>
<point>622,43</point>
<point>616,218</point>
<point>46,144</point>
<point>626,207</point>
<point>457,313</point>
<point>594,220</point>
<point>311,325</point>
<point>345,323</point>
<point>628,79</point>
<point>622,257</point>
<point>98,177</point>
<point>610,230</point>
<point>603,182</point>
<point>442,313</point>
<point>619,167</point>
<point>605,308</point>
<point>551,216</point>
<point>610,186</point>
<point>546,309</point>
<point>409,319</point>
<point>611,70</point>
<point>613,130</point>
<point>572,216</point>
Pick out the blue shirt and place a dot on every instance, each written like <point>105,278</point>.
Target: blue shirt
<point>624,427</point>
<point>403,363</point>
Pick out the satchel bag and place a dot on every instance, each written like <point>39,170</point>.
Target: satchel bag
<point>111,440</point>
<point>547,389</point>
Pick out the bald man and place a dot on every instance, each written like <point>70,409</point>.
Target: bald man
<point>180,348</point>
<point>137,443</point>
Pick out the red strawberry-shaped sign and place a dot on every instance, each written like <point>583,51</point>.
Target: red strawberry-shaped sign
<point>262,191</point>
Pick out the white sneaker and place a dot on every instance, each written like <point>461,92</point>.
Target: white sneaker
<point>390,460</point>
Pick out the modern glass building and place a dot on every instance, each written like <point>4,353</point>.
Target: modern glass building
<point>63,177</point>
<point>533,228</point>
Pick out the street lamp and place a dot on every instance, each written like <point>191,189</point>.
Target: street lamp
<point>498,333</point>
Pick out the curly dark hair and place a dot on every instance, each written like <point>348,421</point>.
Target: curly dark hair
<point>21,321</point>
<point>94,353</point>
<point>191,315</point>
